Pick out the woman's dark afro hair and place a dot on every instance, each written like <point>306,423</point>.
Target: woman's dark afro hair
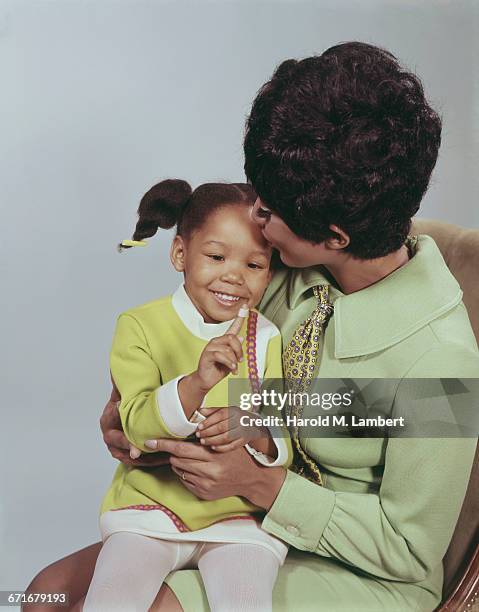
<point>344,138</point>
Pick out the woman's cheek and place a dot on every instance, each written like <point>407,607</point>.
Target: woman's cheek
<point>258,287</point>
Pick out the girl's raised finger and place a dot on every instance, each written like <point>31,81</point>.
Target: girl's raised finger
<point>237,324</point>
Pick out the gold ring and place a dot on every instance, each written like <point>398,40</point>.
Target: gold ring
<point>183,477</point>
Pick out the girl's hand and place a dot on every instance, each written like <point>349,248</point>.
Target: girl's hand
<point>226,429</point>
<point>221,355</point>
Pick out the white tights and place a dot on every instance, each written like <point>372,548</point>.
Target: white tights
<point>131,568</point>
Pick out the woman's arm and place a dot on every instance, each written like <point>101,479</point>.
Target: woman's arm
<point>403,532</point>
<point>400,533</point>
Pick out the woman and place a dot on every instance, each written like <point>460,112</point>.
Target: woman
<point>340,149</point>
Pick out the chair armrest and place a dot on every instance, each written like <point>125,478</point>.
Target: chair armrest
<point>467,587</point>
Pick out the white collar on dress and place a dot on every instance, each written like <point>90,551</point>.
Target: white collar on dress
<point>193,320</point>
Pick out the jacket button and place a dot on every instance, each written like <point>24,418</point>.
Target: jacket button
<point>292,530</point>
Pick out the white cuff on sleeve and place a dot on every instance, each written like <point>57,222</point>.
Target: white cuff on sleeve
<point>269,461</point>
<point>171,410</point>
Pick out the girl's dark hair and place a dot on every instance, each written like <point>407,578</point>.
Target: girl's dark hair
<point>173,202</point>
<point>345,138</point>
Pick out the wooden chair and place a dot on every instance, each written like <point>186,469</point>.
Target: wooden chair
<point>460,249</point>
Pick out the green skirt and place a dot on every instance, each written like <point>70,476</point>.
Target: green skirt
<point>307,583</point>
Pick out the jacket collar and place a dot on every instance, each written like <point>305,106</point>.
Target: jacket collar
<point>385,313</point>
<point>192,319</point>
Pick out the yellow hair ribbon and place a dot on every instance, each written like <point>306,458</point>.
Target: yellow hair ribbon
<point>131,243</point>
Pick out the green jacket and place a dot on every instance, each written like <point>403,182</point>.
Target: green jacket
<point>389,506</point>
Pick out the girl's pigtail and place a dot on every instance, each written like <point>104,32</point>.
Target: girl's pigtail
<point>161,206</point>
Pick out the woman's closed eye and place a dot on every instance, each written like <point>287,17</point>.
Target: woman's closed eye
<point>264,213</point>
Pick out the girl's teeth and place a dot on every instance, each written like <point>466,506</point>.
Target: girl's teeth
<point>228,298</point>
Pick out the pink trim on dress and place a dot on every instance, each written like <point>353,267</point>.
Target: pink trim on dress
<point>182,528</point>
<point>176,519</point>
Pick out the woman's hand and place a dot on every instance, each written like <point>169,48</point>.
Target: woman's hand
<point>117,442</point>
<point>210,475</point>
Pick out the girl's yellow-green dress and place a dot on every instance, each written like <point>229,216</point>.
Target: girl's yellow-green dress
<point>154,346</point>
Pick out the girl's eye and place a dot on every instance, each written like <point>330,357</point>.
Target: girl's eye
<point>216,257</point>
<point>255,266</point>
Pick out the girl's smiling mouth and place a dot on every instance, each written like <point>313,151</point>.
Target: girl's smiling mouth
<point>226,299</point>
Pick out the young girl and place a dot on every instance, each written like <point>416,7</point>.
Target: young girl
<point>170,358</point>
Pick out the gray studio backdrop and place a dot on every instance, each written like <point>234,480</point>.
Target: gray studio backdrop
<point>100,99</point>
